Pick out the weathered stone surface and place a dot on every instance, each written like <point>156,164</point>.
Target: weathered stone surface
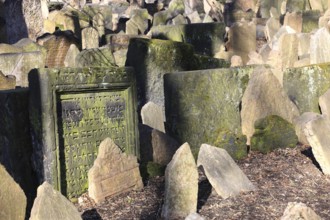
<point>265,7</point>
<point>194,216</point>
<point>222,172</point>
<point>70,58</point>
<point>300,124</point>
<point>153,116</point>
<point>264,96</point>
<point>113,172</point>
<point>181,185</point>
<point>97,57</point>
<point>310,21</point>
<point>323,20</point>
<point>20,64</point>
<point>272,26</point>
<point>324,102</point>
<point>273,132</point>
<point>8,48</point>
<point>302,62</point>
<point>319,46</point>
<point>89,38</point>
<point>236,61</point>
<point>320,5</point>
<point>206,38</point>
<point>7,82</point>
<point>57,48</point>
<point>51,204</point>
<point>85,104</point>
<point>198,112</point>
<point>295,5</point>
<point>23,19</point>
<point>294,20</point>
<point>305,85</point>
<point>317,133</point>
<point>12,199</point>
<point>242,39</point>
<point>304,44</point>
<point>120,57</point>
<point>299,211</point>
<point>65,19</point>
<point>121,41</point>
<point>138,23</point>
<point>15,141</point>
<point>245,4</point>
<point>234,144</point>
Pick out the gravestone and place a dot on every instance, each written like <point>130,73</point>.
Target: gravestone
<point>89,38</point>
<point>319,47</point>
<point>72,111</point>
<point>7,82</point>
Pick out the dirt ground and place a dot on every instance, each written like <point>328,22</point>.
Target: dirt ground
<point>285,175</point>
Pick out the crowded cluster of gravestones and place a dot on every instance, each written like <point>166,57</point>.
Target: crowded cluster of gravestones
<point>95,95</point>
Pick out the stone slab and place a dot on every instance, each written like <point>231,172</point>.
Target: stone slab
<point>296,210</point>
<point>223,173</point>
<point>153,116</point>
<point>113,172</point>
<point>71,112</point>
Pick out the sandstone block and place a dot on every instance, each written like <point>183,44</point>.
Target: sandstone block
<point>153,116</point>
<point>300,211</point>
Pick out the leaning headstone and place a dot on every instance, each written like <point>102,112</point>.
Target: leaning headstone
<point>305,85</point>
<point>272,26</point>
<point>113,172</point>
<point>97,57</point>
<point>70,58</point>
<point>323,20</point>
<point>153,116</point>
<point>304,44</point>
<point>319,46</point>
<point>181,185</point>
<point>242,39</point>
<point>52,205</point>
<point>324,102</point>
<point>7,82</point>
<point>71,112</point>
<point>317,133</point>
<point>264,96</point>
<point>273,132</point>
<point>12,199</point>
<point>89,38</point>
<point>300,211</point>
<point>300,124</point>
<point>222,172</point>
<point>214,104</point>
<point>295,5</point>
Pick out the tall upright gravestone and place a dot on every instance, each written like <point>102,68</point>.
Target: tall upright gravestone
<point>71,112</point>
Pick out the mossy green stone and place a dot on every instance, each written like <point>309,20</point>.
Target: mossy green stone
<point>295,5</point>
<point>235,145</point>
<point>310,21</point>
<point>304,85</point>
<point>273,132</point>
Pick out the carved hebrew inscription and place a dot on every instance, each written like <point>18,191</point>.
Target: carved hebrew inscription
<point>84,120</point>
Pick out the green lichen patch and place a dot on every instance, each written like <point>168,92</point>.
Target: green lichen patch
<point>235,145</point>
<point>273,132</point>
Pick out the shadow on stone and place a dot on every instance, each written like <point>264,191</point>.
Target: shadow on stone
<point>91,214</point>
<point>309,153</point>
<point>204,190</point>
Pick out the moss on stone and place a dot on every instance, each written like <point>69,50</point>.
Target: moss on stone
<point>235,145</point>
<point>273,132</point>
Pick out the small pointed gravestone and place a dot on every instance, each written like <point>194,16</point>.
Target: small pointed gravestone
<point>317,133</point>
<point>223,173</point>
<point>52,205</point>
<point>299,211</point>
<point>153,116</point>
<point>12,197</point>
<point>181,185</point>
<point>89,38</point>
<point>113,172</point>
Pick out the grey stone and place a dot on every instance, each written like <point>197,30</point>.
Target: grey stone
<point>120,57</point>
<point>88,104</point>
<point>7,82</point>
<point>12,199</point>
<point>113,172</point>
<point>321,5</point>
<point>194,17</point>
<point>319,47</point>
<point>138,23</point>
<point>300,124</point>
<point>194,216</point>
<point>264,96</point>
<point>8,48</point>
<point>272,26</point>
<point>153,116</point>
<point>222,172</point>
<point>121,40</point>
<point>236,61</point>
<point>181,185</point>
<point>214,103</point>
<point>51,204</point>
<point>305,85</point>
<point>294,20</point>
<point>317,134</point>
<point>273,132</point>
<point>310,21</point>
<point>300,211</point>
<point>323,20</point>
<point>98,24</point>
<point>242,39</point>
<point>304,44</point>
<point>207,38</point>
<point>70,58</point>
<point>302,62</point>
<point>20,64</point>
<point>295,5</point>
<point>97,57</point>
<point>89,38</point>
<point>179,19</point>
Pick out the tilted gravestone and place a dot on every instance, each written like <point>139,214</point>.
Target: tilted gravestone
<point>71,112</point>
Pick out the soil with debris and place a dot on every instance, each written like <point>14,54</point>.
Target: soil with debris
<point>282,176</point>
